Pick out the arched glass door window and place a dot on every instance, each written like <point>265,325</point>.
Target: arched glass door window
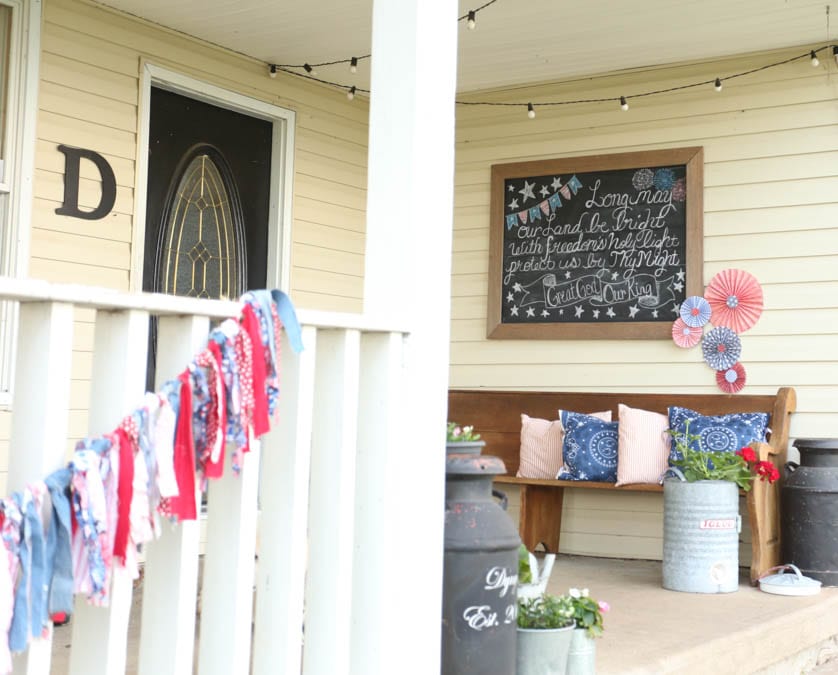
<point>202,247</point>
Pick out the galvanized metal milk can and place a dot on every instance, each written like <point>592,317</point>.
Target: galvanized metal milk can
<point>809,516</point>
<point>479,593</point>
<point>701,526</point>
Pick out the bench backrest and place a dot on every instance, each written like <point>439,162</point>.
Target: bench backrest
<point>496,415</point>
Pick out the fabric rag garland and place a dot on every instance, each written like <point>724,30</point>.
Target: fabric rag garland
<point>732,303</point>
<point>108,501</point>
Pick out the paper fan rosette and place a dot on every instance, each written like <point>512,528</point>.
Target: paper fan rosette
<point>721,348</point>
<point>685,336</point>
<point>695,311</point>
<point>735,298</point>
<point>731,380</point>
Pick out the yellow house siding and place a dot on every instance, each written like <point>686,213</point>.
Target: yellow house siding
<point>771,207</point>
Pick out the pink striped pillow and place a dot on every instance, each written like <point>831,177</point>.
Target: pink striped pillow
<point>643,446</point>
<point>541,445</point>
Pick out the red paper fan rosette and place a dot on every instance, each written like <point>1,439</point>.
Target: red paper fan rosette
<point>685,336</point>
<point>721,348</point>
<point>731,380</point>
<point>735,298</point>
<point>695,311</point>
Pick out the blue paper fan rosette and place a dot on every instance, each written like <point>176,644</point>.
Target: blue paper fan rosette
<point>695,311</point>
<point>664,179</point>
<point>721,348</point>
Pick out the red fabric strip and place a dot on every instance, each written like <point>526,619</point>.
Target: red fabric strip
<point>124,493</point>
<point>261,421</point>
<point>216,469</point>
<point>183,506</point>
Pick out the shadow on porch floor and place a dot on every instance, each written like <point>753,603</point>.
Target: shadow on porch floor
<point>652,630</point>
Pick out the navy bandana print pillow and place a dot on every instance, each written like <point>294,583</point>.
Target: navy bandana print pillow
<point>721,433</point>
<point>590,448</point>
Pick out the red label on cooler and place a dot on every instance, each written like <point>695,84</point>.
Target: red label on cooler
<point>718,524</point>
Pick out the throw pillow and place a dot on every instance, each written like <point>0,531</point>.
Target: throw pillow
<point>643,446</point>
<point>541,448</point>
<point>719,433</point>
<point>590,448</point>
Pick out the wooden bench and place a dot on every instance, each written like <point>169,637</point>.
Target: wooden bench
<point>497,416</point>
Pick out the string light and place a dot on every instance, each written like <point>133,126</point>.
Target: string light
<point>351,93</point>
<point>530,111</point>
<point>309,69</point>
<point>272,71</point>
<point>472,20</point>
<point>835,53</point>
<point>623,103</point>
<point>353,64</point>
<point>717,85</point>
<point>815,62</point>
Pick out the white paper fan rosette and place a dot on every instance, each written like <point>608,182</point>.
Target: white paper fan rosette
<point>735,297</point>
<point>721,348</point>
<point>685,336</point>
<point>731,380</point>
<point>695,311</point>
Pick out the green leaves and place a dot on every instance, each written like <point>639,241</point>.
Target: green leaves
<point>547,611</point>
<point>524,569</point>
<point>703,465</point>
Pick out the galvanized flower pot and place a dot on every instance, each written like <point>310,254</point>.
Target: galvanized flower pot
<point>543,651</point>
<point>701,527</point>
<point>581,659</point>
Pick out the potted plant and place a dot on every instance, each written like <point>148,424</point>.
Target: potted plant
<point>462,440</point>
<point>588,620</point>
<point>701,514</point>
<point>545,627</point>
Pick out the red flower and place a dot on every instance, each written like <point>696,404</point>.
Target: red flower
<point>747,453</point>
<point>767,471</point>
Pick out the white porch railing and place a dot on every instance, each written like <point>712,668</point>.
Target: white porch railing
<point>313,523</point>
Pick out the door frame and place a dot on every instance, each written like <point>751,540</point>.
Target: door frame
<point>282,164</point>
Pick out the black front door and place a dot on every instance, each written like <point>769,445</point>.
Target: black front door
<point>208,199</point>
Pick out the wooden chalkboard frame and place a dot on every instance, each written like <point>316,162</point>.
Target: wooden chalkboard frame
<point>692,158</point>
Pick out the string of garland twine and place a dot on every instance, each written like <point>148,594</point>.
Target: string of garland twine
<point>530,105</point>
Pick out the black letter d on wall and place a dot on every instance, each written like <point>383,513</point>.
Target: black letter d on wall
<point>72,160</point>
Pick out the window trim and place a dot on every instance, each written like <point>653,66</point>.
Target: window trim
<point>20,141</point>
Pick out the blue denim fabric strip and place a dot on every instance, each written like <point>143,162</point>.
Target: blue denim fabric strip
<point>288,316</point>
<point>59,552</point>
<point>30,613</point>
<point>19,630</point>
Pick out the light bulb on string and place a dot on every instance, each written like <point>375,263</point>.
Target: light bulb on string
<point>309,69</point>
<point>717,85</point>
<point>353,65</point>
<point>530,111</point>
<point>472,20</point>
<point>835,53</point>
<point>351,93</point>
<point>814,57</point>
<point>272,71</point>
<point>623,103</point>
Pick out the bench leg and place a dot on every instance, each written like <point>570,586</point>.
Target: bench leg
<point>541,516</point>
<point>764,513</point>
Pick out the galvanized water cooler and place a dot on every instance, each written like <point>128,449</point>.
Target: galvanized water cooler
<point>809,510</point>
<point>480,579</point>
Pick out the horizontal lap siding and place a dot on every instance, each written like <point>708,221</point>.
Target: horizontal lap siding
<point>771,207</point>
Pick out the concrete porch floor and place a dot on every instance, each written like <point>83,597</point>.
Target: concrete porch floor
<point>653,630</point>
<point>650,630</point>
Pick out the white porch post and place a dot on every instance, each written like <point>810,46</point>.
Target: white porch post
<point>399,544</point>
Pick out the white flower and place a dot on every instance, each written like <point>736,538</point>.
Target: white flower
<point>574,593</point>
<point>584,592</point>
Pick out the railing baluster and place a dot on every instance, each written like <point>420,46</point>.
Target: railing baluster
<point>170,585</point>
<point>332,504</point>
<point>117,384</point>
<point>283,517</point>
<point>39,422</point>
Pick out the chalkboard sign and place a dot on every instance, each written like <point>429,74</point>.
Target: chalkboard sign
<point>595,247</point>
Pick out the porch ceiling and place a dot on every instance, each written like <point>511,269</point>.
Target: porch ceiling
<point>515,42</point>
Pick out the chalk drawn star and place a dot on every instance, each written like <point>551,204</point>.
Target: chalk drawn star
<point>634,309</point>
<point>655,313</point>
<point>544,191</point>
<point>509,297</point>
<point>578,310</point>
<point>561,312</point>
<point>557,183</point>
<point>514,310</point>
<point>567,275</point>
<point>596,313</point>
<point>614,276</point>
<point>545,313</point>
<point>511,187</point>
<point>680,275</point>
<point>517,287</point>
<point>530,311</point>
<point>527,192</point>
<point>678,286</point>
<point>610,312</point>
<point>676,308</point>
<point>513,204</point>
